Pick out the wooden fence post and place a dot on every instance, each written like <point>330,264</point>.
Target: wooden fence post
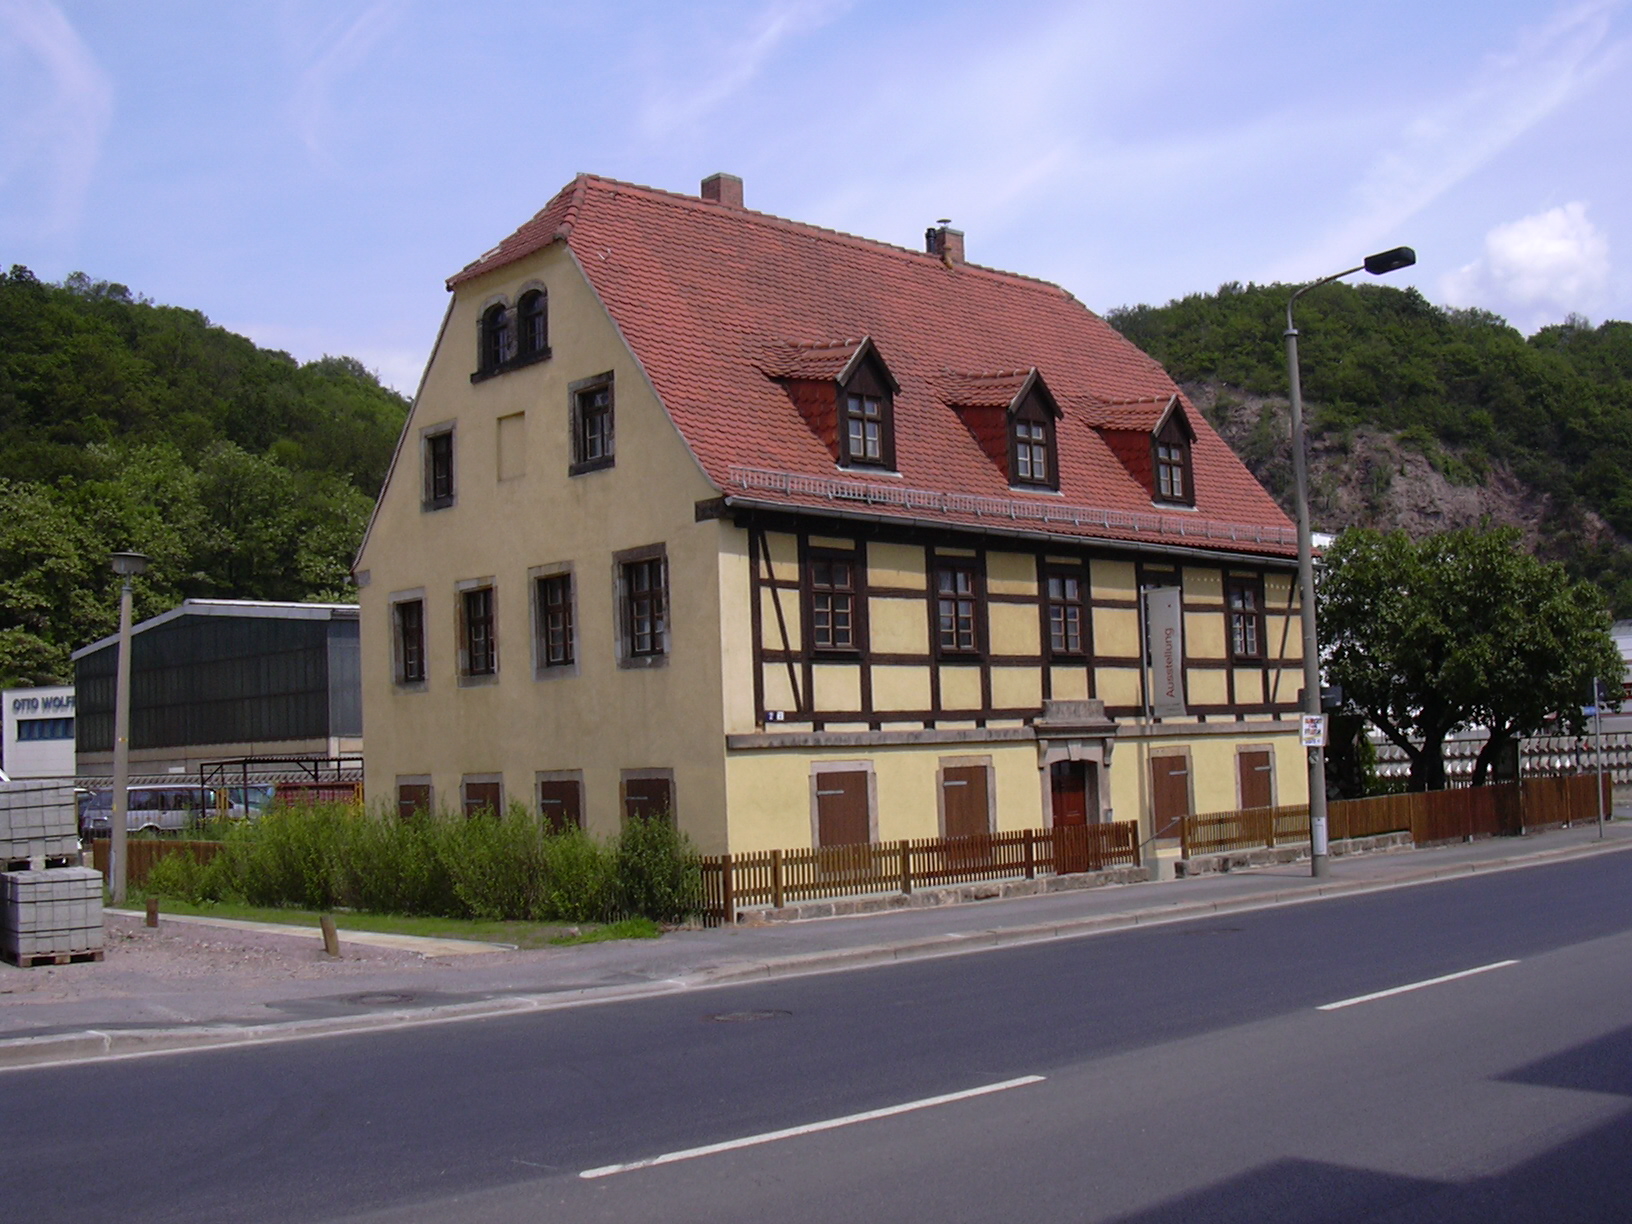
<point>906,867</point>
<point>1031,855</point>
<point>728,893</point>
<point>776,879</point>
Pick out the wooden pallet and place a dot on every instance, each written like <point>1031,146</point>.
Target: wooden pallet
<point>33,960</point>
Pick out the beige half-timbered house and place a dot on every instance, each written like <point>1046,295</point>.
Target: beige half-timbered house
<point>805,538</point>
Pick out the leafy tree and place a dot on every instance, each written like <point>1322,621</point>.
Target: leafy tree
<point>1460,629</point>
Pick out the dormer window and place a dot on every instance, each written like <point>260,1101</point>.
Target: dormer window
<point>1170,458</point>
<point>1033,460</point>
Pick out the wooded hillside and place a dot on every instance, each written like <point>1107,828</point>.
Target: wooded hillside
<point>1420,417</point>
<point>126,425</point>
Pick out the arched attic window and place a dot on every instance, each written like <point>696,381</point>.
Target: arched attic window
<point>496,340</point>
<point>533,323</point>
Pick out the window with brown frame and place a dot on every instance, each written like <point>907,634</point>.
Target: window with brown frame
<point>480,648</point>
<point>866,410</point>
<point>957,596</point>
<point>864,429</point>
<point>1170,453</point>
<point>413,799</point>
<point>645,612</point>
<point>592,435</point>
<point>832,586</point>
<point>554,610</point>
<point>1245,599</point>
<point>1065,621</point>
<point>1031,447</point>
<point>439,470</point>
<point>409,635</point>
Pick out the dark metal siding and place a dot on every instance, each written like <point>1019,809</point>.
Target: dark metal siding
<point>223,679</point>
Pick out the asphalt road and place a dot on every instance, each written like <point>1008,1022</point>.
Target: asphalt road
<point>1187,1073</point>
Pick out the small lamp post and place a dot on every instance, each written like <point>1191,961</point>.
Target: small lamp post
<point>1377,265</point>
<point>127,565</point>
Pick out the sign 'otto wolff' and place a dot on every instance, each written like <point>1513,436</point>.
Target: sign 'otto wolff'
<point>1166,651</point>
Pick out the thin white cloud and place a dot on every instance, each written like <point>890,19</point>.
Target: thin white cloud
<point>711,80</point>
<point>346,46</point>
<point>1540,268</point>
<point>1511,94</point>
<point>54,111</point>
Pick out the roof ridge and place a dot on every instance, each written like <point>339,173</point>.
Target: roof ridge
<point>581,183</point>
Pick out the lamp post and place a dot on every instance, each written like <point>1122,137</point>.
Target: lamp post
<point>1377,265</point>
<point>127,565</point>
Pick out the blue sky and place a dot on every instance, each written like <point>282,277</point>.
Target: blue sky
<point>308,172</point>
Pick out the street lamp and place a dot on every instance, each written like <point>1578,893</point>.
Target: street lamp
<point>1377,265</point>
<point>127,565</point>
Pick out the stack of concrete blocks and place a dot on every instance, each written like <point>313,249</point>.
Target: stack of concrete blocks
<point>54,914</point>
<point>48,911</point>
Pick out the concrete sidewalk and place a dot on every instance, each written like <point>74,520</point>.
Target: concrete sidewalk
<point>194,985</point>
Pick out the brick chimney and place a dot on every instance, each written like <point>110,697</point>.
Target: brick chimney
<point>944,241</point>
<point>723,189</point>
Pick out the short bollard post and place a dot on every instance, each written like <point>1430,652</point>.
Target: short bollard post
<point>331,937</point>
<point>152,911</point>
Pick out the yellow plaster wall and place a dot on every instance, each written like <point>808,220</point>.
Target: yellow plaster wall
<point>1203,585</point>
<point>1204,635</point>
<point>901,688</point>
<point>770,600</point>
<point>769,791</point>
<point>1069,683</point>
<point>1213,776</point>
<point>1013,629</point>
<point>1283,638</point>
<point>836,687</point>
<point>778,689</point>
<point>897,626</point>
<point>1116,632</point>
<point>1117,686</point>
<point>1010,574</point>
<point>1249,685</point>
<point>1015,688</point>
<point>960,688</point>
<point>896,565</point>
<point>603,719</point>
<point>1110,579</point>
<point>1205,686</point>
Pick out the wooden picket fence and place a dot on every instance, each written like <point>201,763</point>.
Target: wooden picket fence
<point>1506,808</point>
<point>778,877</point>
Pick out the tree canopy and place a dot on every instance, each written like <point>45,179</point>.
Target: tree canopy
<point>1457,630</point>
<point>125,425</point>
<point>1460,385</point>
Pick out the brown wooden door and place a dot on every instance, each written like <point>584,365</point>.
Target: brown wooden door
<point>560,803</point>
<point>648,799</point>
<point>1074,787</point>
<point>411,798</point>
<point>1254,769</point>
<point>966,803</point>
<point>1170,794</point>
<point>841,809</point>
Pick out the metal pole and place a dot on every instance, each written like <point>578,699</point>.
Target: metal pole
<point>1319,850</point>
<point>1598,747</point>
<point>118,833</point>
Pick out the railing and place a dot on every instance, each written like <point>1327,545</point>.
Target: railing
<point>778,877</point>
<point>1458,814</point>
<point>1042,511</point>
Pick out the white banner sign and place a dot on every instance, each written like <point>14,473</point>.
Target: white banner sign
<point>1166,626</point>
<point>1312,731</point>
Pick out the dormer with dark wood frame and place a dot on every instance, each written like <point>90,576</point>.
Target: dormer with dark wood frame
<point>1013,417</point>
<point>1153,439</point>
<point>846,394</point>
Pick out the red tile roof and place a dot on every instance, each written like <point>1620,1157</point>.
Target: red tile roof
<point>719,303</point>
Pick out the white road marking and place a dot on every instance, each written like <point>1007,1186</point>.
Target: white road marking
<point>1383,994</point>
<point>809,1129</point>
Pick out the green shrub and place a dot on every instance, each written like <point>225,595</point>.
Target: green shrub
<point>579,883</point>
<point>657,872</point>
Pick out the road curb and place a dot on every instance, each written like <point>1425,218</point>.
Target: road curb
<point>19,1053</point>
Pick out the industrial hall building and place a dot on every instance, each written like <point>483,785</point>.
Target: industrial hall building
<point>805,539</point>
